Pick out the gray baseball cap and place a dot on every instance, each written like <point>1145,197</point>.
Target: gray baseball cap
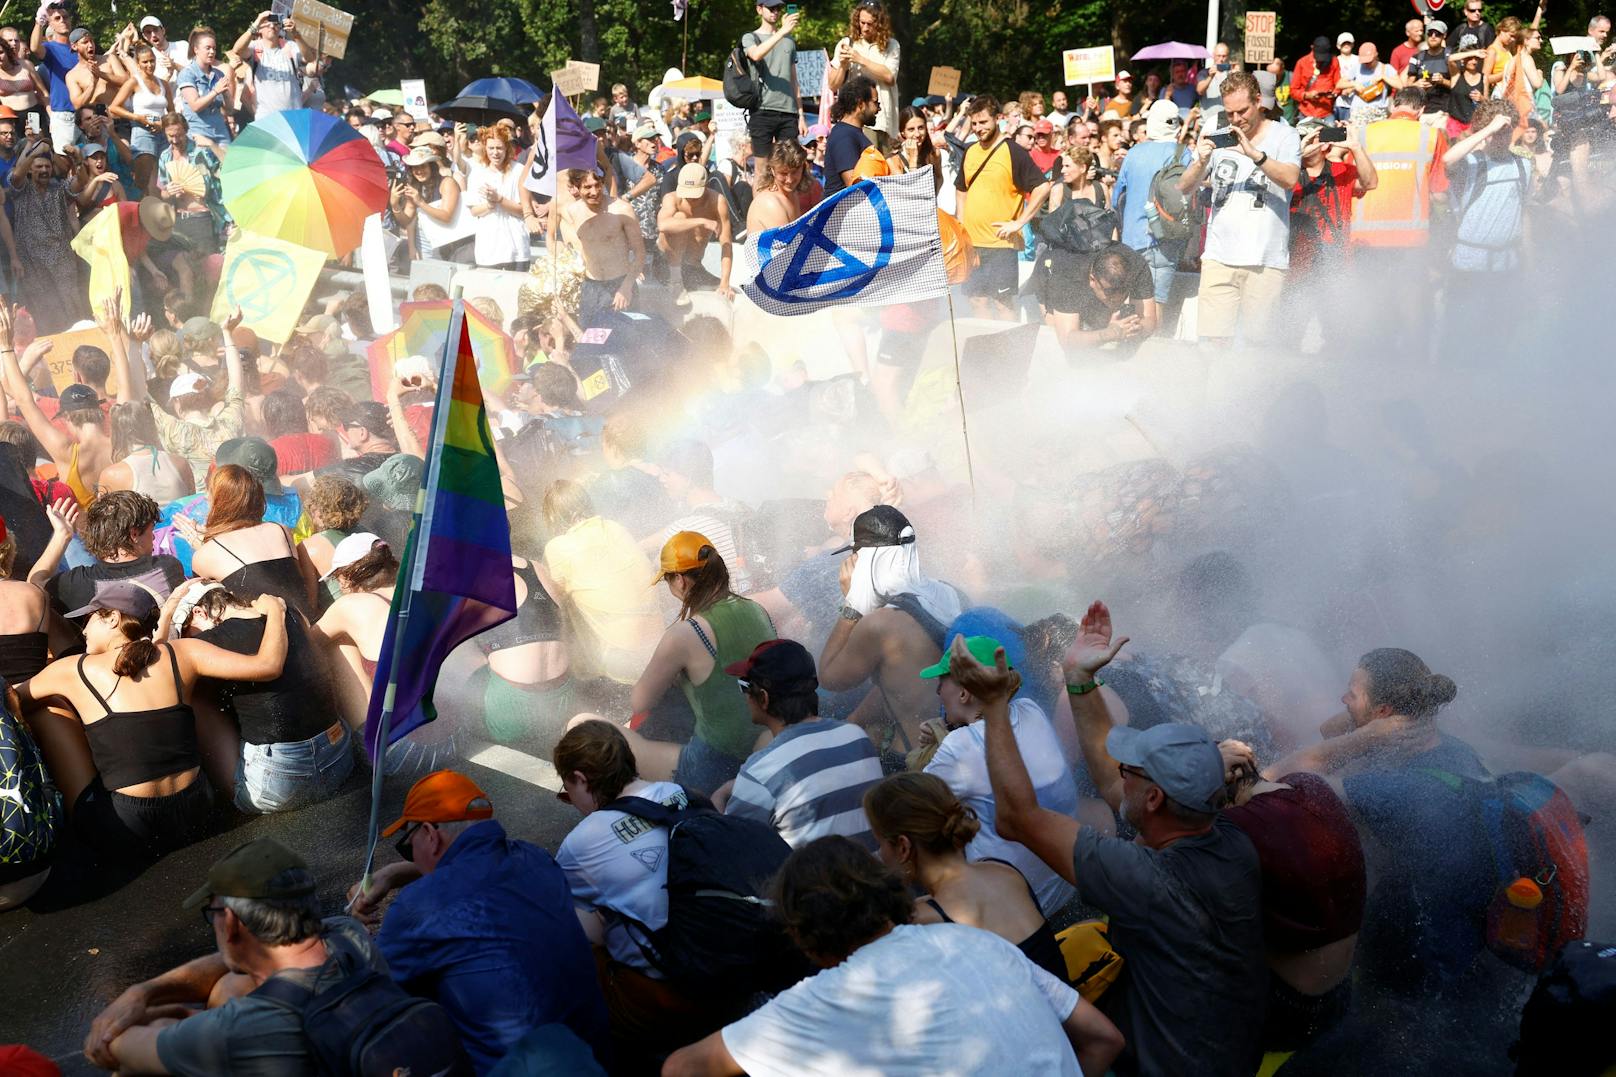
<point>1180,758</point>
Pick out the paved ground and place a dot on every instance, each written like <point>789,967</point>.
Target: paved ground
<point>87,934</point>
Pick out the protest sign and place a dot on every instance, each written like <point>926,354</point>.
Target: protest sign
<point>1098,64</point>
<point>944,81</point>
<point>323,26</point>
<point>59,360</point>
<point>567,81</point>
<point>414,91</point>
<point>811,64</point>
<point>1260,36</point>
<point>268,279</point>
<point>587,74</point>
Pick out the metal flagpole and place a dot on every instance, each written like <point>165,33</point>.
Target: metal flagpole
<point>406,579</point>
<point>959,393</point>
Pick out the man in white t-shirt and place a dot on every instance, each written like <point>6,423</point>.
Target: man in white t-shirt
<point>870,50</point>
<point>277,64</point>
<point>896,997</point>
<point>962,762</point>
<point>171,55</point>
<point>1248,237</point>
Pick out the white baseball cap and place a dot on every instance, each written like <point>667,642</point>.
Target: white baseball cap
<point>351,549</point>
<point>381,114</point>
<point>187,383</point>
<point>151,20</point>
<point>1343,37</point>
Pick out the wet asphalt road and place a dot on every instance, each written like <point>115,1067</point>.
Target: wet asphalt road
<point>89,934</point>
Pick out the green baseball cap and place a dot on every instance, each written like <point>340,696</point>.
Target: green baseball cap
<point>982,649</point>
<point>251,871</point>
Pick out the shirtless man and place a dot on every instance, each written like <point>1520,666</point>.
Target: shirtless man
<point>89,83</point>
<point>777,200</point>
<point>690,216</point>
<point>606,235</point>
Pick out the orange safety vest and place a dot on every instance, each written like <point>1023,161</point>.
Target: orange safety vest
<point>1397,213</point>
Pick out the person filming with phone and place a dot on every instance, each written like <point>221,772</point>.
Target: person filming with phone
<point>1251,167</point>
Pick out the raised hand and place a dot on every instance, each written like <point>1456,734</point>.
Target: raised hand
<point>989,684</point>
<point>1093,648</point>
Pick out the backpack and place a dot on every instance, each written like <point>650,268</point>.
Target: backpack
<point>1539,859</point>
<point>1565,1025</point>
<point>721,933</point>
<point>29,810</point>
<point>1079,226</point>
<point>1171,221</point>
<point>368,1026</point>
<point>740,80</point>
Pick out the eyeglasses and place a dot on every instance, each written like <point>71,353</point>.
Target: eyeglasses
<point>746,686</point>
<point>209,912</point>
<point>403,846</point>
<point>1124,769</point>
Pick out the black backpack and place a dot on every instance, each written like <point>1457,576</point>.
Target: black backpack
<point>740,80</point>
<point>1565,1025</point>
<point>1171,220</point>
<point>721,933</point>
<point>1079,226</point>
<point>368,1026</point>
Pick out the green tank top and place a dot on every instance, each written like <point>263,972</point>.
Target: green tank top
<point>330,589</point>
<point>722,719</point>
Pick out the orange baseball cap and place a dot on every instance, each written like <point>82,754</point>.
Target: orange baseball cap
<point>685,551</point>
<point>444,796</point>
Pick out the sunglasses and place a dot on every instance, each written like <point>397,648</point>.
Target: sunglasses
<point>403,845</point>
<point>209,912</point>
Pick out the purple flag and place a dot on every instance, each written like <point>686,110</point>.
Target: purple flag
<point>564,142</point>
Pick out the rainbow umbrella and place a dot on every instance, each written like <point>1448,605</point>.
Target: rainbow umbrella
<point>304,177</point>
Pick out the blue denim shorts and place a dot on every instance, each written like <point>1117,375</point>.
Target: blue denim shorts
<point>704,768</point>
<point>295,774</point>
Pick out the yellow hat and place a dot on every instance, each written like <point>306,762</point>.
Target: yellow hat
<point>683,552</point>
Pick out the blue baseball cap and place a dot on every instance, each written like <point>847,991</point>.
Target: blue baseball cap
<point>1180,758</point>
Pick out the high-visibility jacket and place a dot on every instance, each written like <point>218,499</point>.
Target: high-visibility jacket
<point>1407,155</point>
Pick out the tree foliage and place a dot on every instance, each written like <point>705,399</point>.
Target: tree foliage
<point>1000,46</point>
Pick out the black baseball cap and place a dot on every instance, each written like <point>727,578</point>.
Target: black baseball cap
<point>1322,46</point>
<point>880,526</point>
<point>125,596</point>
<point>77,397</point>
<point>256,869</point>
<point>776,662</point>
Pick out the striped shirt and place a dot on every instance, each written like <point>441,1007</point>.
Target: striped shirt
<point>810,782</point>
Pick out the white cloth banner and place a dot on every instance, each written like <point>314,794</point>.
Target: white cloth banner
<point>873,244</point>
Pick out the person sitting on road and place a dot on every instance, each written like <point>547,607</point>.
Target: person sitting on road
<point>119,532</point>
<point>921,830</point>
<point>260,556</point>
<point>805,782</point>
<point>260,901</point>
<point>482,923</point>
<point>132,769</point>
<point>985,1003</point>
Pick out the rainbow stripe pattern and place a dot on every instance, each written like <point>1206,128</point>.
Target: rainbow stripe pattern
<point>423,329</point>
<point>455,579</point>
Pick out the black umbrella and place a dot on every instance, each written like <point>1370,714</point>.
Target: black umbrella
<point>475,108</point>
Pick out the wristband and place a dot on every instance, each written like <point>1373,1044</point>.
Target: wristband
<point>1262,160</point>
<point>1083,689</point>
<point>851,614</point>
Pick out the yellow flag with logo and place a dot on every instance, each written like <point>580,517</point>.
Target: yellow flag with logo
<point>269,279</point>
<point>100,243</point>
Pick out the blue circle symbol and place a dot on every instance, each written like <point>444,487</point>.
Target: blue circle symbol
<point>819,269</point>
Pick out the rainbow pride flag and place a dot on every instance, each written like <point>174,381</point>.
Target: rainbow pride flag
<point>455,578</point>
<point>424,330</point>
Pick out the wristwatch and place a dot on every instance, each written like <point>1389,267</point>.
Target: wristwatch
<point>1260,161</point>
<point>851,614</point>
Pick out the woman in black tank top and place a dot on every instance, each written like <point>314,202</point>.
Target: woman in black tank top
<point>132,771</point>
<point>259,558</point>
<point>921,830</point>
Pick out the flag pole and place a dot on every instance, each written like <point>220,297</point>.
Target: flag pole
<point>959,394</point>
<point>405,579</point>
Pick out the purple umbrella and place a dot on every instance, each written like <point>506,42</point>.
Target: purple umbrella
<point>1172,50</point>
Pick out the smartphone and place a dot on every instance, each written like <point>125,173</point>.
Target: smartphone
<point>1332,134</point>
<point>1223,140</point>
<point>32,123</point>
<point>791,9</point>
<point>1224,67</point>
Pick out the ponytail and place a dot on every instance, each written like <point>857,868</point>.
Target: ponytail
<point>1400,680</point>
<point>140,652</point>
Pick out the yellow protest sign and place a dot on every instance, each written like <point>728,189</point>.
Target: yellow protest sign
<point>1098,64</point>
<point>269,279</point>
<point>100,243</point>
<point>59,360</point>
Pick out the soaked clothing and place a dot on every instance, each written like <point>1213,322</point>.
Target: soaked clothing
<point>295,706</point>
<point>131,747</point>
<point>129,826</point>
<point>75,481</point>
<point>278,576</point>
<point>77,587</point>
<point>1041,947</point>
<point>537,620</point>
<point>722,718</point>
<point>23,654</point>
<point>154,474</point>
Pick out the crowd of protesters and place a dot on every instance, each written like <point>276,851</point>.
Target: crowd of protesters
<point>980,844</point>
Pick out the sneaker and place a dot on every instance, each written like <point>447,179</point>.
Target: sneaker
<point>697,277</point>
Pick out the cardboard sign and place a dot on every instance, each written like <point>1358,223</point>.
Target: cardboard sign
<point>1260,36</point>
<point>1098,64</point>
<point>323,26</point>
<point>568,81</point>
<point>727,119</point>
<point>414,91</point>
<point>1565,46</point>
<point>944,82</point>
<point>59,360</point>
<point>588,74</point>
<point>811,64</point>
